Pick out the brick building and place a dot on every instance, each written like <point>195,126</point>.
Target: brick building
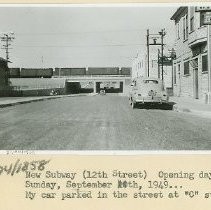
<point>190,68</point>
<point>4,77</point>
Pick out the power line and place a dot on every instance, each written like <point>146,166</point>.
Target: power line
<point>79,46</point>
<point>77,32</point>
<point>82,32</point>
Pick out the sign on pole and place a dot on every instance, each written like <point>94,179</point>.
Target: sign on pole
<point>202,9</point>
<point>206,18</point>
<point>167,61</point>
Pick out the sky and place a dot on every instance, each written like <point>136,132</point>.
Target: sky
<point>85,36</point>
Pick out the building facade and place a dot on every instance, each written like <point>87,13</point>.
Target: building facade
<point>139,68</point>
<point>139,65</point>
<point>190,68</point>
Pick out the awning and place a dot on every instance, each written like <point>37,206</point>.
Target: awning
<point>197,42</point>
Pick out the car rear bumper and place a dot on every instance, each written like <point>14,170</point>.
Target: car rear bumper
<point>156,100</point>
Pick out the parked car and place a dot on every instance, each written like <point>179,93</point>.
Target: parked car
<point>147,90</point>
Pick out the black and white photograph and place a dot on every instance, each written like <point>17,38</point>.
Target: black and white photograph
<point>108,77</point>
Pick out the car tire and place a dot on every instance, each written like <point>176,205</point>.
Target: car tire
<point>133,104</point>
<point>130,101</point>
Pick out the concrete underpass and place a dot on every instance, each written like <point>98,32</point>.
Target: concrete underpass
<point>88,85</point>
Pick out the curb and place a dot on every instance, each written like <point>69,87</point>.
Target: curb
<point>40,99</point>
<point>206,114</point>
<point>26,101</point>
<point>177,108</point>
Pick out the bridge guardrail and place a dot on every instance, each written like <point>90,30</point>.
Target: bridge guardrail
<point>91,76</point>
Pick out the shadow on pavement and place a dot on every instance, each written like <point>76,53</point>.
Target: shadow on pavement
<point>168,106</point>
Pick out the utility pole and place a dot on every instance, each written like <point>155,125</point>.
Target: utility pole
<point>7,39</point>
<point>148,52</point>
<point>42,59</point>
<point>155,37</point>
<point>172,56</point>
<point>162,53</point>
<point>162,33</point>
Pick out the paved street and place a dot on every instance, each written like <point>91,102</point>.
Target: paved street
<point>100,123</point>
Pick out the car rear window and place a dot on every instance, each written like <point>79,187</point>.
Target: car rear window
<point>151,81</point>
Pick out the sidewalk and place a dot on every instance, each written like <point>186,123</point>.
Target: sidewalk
<point>11,101</point>
<point>195,106</point>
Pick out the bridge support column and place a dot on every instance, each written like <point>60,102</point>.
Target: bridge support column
<point>94,88</point>
<point>124,88</point>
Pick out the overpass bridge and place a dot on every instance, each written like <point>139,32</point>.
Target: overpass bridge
<point>97,80</point>
<point>88,83</point>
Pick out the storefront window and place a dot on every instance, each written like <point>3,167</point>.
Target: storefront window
<point>192,24</point>
<point>204,63</point>
<point>192,12</point>
<point>175,75</point>
<point>185,27</point>
<point>186,68</point>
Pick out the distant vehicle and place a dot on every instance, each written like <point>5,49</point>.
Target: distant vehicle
<point>54,93</point>
<point>102,92</point>
<point>147,90</point>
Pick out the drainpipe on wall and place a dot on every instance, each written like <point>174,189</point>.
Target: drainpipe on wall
<point>172,76</point>
<point>179,81</point>
<point>209,62</point>
<point>179,85</point>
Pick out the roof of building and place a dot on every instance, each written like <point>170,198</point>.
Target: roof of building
<point>178,12</point>
<point>4,60</point>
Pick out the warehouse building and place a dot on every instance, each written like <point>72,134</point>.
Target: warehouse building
<point>190,67</point>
